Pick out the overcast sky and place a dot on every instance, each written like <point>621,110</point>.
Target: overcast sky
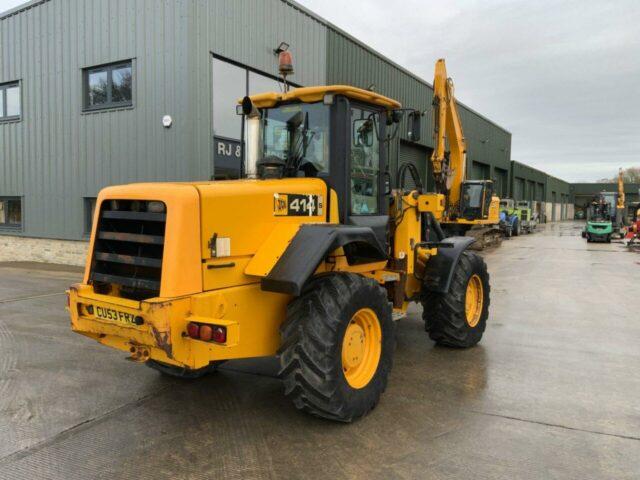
<point>9,4</point>
<point>562,76</point>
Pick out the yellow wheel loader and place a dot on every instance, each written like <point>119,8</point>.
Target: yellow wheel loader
<point>311,256</point>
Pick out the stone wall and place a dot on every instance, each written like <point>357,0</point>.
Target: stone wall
<point>25,249</point>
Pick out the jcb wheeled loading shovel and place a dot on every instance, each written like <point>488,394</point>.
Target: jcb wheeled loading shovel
<point>307,258</point>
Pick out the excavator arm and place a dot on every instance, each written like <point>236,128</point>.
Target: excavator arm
<point>621,198</point>
<point>469,204</point>
<point>449,172</point>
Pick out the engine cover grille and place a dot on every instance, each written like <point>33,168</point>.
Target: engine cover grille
<point>128,249</point>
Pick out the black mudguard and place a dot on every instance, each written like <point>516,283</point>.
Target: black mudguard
<point>311,245</point>
<point>439,270</point>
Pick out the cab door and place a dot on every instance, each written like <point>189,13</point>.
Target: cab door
<point>366,197</point>
<point>357,166</point>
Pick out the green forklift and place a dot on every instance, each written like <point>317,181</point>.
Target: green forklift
<point>599,227</point>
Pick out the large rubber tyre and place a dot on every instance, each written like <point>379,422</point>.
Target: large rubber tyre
<point>609,238</point>
<point>182,373</point>
<point>516,228</point>
<point>589,238</point>
<point>311,355</point>
<point>445,314</point>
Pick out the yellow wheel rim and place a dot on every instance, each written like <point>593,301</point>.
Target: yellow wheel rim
<point>473,300</point>
<point>361,348</point>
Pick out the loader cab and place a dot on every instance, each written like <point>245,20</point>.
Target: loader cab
<point>334,133</point>
<point>475,199</point>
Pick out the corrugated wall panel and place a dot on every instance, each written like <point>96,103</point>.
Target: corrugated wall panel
<point>556,187</point>
<point>247,32</point>
<point>56,154</point>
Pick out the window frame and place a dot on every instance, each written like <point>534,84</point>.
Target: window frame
<point>108,68</point>
<point>381,161</point>
<point>3,92</point>
<point>247,87</point>
<point>88,211</point>
<point>12,227</point>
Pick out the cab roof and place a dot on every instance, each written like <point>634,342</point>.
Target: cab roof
<point>316,94</point>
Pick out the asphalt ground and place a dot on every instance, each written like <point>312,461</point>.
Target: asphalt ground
<point>551,392</point>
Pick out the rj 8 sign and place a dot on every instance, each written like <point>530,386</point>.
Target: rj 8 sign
<point>230,149</point>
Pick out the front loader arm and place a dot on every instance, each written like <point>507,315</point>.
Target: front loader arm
<point>449,172</point>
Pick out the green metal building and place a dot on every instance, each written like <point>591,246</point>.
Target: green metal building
<point>528,183</point>
<point>583,193</point>
<point>559,205</point>
<point>549,196</point>
<point>92,83</point>
<point>96,93</point>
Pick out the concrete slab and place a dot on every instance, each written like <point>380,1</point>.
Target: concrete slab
<point>551,392</point>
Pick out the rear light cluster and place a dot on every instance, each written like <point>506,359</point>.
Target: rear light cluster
<point>206,332</point>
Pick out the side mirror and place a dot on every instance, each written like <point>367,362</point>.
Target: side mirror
<point>394,116</point>
<point>415,124</point>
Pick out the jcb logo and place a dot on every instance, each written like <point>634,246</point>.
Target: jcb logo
<point>280,204</point>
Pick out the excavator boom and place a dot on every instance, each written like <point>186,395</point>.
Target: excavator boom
<point>469,204</point>
<point>449,172</point>
<point>621,198</point>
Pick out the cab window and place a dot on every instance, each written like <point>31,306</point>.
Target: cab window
<point>298,134</point>
<point>364,161</point>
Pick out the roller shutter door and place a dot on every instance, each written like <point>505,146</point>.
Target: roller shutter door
<point>501,182</point>
<point>479,171</point>
<point>417,155</point>
<point>518,189</point>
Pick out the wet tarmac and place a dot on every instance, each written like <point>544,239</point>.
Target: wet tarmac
<point>551,392</point>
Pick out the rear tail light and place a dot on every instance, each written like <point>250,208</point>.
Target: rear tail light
<point>207,333</point>
<point>219,334</point>
<point>193,330</point>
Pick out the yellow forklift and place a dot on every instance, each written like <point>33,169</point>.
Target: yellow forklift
<point>311,257</point>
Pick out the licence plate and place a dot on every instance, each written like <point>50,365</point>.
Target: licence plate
<point>104,313</point>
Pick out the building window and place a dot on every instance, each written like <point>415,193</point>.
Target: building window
<point>230,83</point>
<point>10,108</point>
<point>89,208</point>
<point>108,86</point>
<point>10,212</point>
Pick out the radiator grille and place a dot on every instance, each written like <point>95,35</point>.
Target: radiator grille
<point>128,248</point>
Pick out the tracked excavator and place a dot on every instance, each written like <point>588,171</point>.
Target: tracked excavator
<point>471,207</point>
